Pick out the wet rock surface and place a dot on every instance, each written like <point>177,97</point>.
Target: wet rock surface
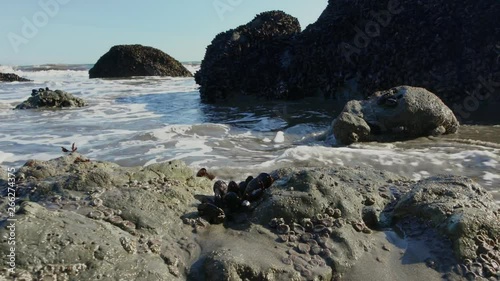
<point>396,114</point>
<point>46,98</point>
<point>87,220</point>
<point>249,60</point>
<point>11,77</point>
<point>357,48</point>
<point>137,60</point>
<point>465,213</point>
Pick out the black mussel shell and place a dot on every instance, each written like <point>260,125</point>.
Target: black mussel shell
<point>211,213</point>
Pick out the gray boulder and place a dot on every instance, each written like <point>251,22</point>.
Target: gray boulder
<point>459,208</point>
<point>45,98</point>
<point>400,113</point>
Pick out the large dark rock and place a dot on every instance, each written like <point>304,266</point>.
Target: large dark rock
<point>356,48</point>
<point>396,114</point>
<point>249,60</point>
<point>11,77</point>
<point>46,98</point>
<point>137,60</point>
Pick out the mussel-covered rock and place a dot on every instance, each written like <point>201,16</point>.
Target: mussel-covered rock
<point>358,47</point>
<point>252,55</point>
<point>211,213</point>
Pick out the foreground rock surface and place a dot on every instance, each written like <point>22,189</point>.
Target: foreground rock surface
<point>249,59</point>
<point>137,60</point>
<point>11,77</point>
<point>396,114</point>
<point>92,220</point>
<point>46,98</point>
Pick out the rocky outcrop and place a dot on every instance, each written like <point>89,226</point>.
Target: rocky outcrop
<point>356,48</point>
<point>89,220</point>
<point>448,48</point>
<point>396,114</point>
<point>249,60</point>
<point>11,77</point>
<point>137,60</point>
<point>46,98</point>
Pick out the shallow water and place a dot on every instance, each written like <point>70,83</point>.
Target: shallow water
<point>141,121</point>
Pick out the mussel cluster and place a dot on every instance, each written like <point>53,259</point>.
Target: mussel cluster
<point>35,92</point>
<point>233,197</point>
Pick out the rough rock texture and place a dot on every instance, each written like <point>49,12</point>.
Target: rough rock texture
<point>88,220</point>
<point>458,207</point>
<point>438,45</point>
<point>137,60</point>
<point>79,219</point>
<point>11,77</point>
<point>356,48</point>
<point>249,60</point>
<point>399,113</point>
<point>45,98</point>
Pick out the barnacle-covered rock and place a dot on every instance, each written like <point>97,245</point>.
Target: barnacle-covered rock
<point>46,98</point>
<point>249,60</point>
<point>459,207</point>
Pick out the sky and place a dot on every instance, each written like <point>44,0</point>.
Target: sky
<point>81,31</point>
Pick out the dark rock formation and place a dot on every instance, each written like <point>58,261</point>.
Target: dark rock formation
<point>45,98</point>
<point>137,60</point>
<point>80,219</point>
<point>451,49</point>
<point>11,77</point>
<point>397,114</point>
<point>249,60</point>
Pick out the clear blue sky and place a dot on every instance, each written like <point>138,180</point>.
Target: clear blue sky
<point>83,30</point>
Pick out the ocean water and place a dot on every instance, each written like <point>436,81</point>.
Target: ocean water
<point>140,121</point>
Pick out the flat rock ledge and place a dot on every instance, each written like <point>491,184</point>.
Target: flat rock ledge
<point>46,98</point>
<point>11,77</point>
<point>80,219</point>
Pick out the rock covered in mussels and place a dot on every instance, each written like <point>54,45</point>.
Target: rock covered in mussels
<point>249,60</point>
<point>137,60</point>
<point>399,113</point>
<point>11,77</point>
<point>46,98</point>
<point>356,48</point>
